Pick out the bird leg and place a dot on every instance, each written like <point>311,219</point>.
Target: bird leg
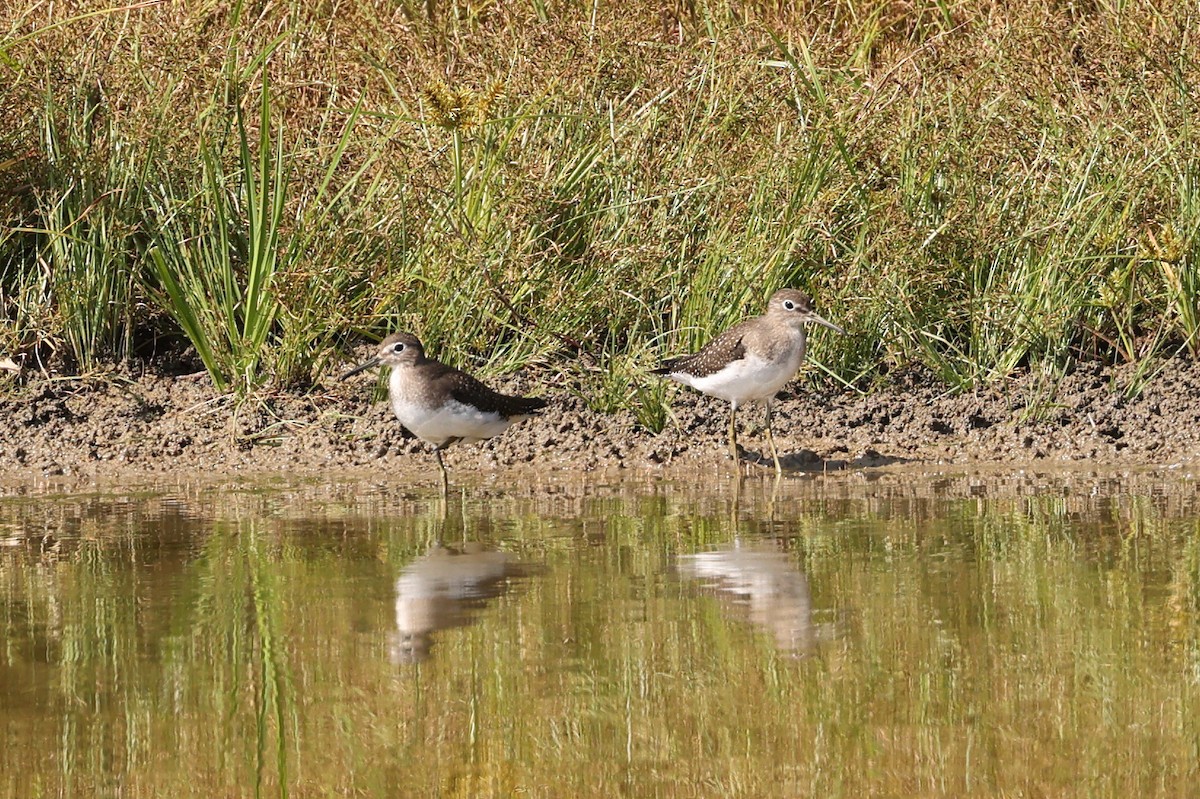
<point>437,453</point>
<point>733,433</point>
<point>771,441</point>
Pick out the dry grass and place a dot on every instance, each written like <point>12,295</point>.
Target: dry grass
<point>972,187</point>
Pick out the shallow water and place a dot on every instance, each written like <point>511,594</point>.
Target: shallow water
<point>894,634</point>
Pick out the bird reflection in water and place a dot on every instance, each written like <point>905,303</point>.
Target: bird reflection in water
<point>446,587</point>
<point>761,584</point>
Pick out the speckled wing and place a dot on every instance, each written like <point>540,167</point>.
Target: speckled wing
<point>712,357</point>
<point>466,389</point>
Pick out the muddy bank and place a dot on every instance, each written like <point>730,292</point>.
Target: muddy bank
<point>147,423</point>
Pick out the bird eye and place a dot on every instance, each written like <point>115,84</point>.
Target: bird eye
<point>789,305</point>
<point>398,346</point>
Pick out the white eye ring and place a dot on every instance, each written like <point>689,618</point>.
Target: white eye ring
<point>789,305</point>
<point>398,347</point>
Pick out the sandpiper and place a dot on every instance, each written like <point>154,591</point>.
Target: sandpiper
<point>753,360</point>
<point>439,404</point>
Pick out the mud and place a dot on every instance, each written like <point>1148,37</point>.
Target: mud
<point>151,423</point>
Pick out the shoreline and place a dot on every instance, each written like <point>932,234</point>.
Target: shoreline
<point>148,423</point>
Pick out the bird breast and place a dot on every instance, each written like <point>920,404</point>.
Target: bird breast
<point>757,376</point>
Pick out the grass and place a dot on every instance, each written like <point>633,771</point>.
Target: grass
<point>976,193</point>
<point>215,255</point>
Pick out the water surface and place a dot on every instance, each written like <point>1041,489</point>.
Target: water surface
<point>894,634</point>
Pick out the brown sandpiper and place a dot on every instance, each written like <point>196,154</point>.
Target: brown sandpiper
<point>439,404</point>
<point>753,360</point>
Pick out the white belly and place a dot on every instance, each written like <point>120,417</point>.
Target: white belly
<point>438,422</point>
<point>450,420</point>
<point>750,379</point>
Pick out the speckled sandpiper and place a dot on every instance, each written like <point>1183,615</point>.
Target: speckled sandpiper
<point>753,360</point>
<point>439,404</point>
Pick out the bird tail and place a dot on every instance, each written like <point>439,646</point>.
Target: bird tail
<point>527,405</point>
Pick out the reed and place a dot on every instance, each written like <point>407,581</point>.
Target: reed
<point>974,194</point>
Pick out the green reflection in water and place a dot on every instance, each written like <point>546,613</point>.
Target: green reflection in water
<point>905,635</point>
